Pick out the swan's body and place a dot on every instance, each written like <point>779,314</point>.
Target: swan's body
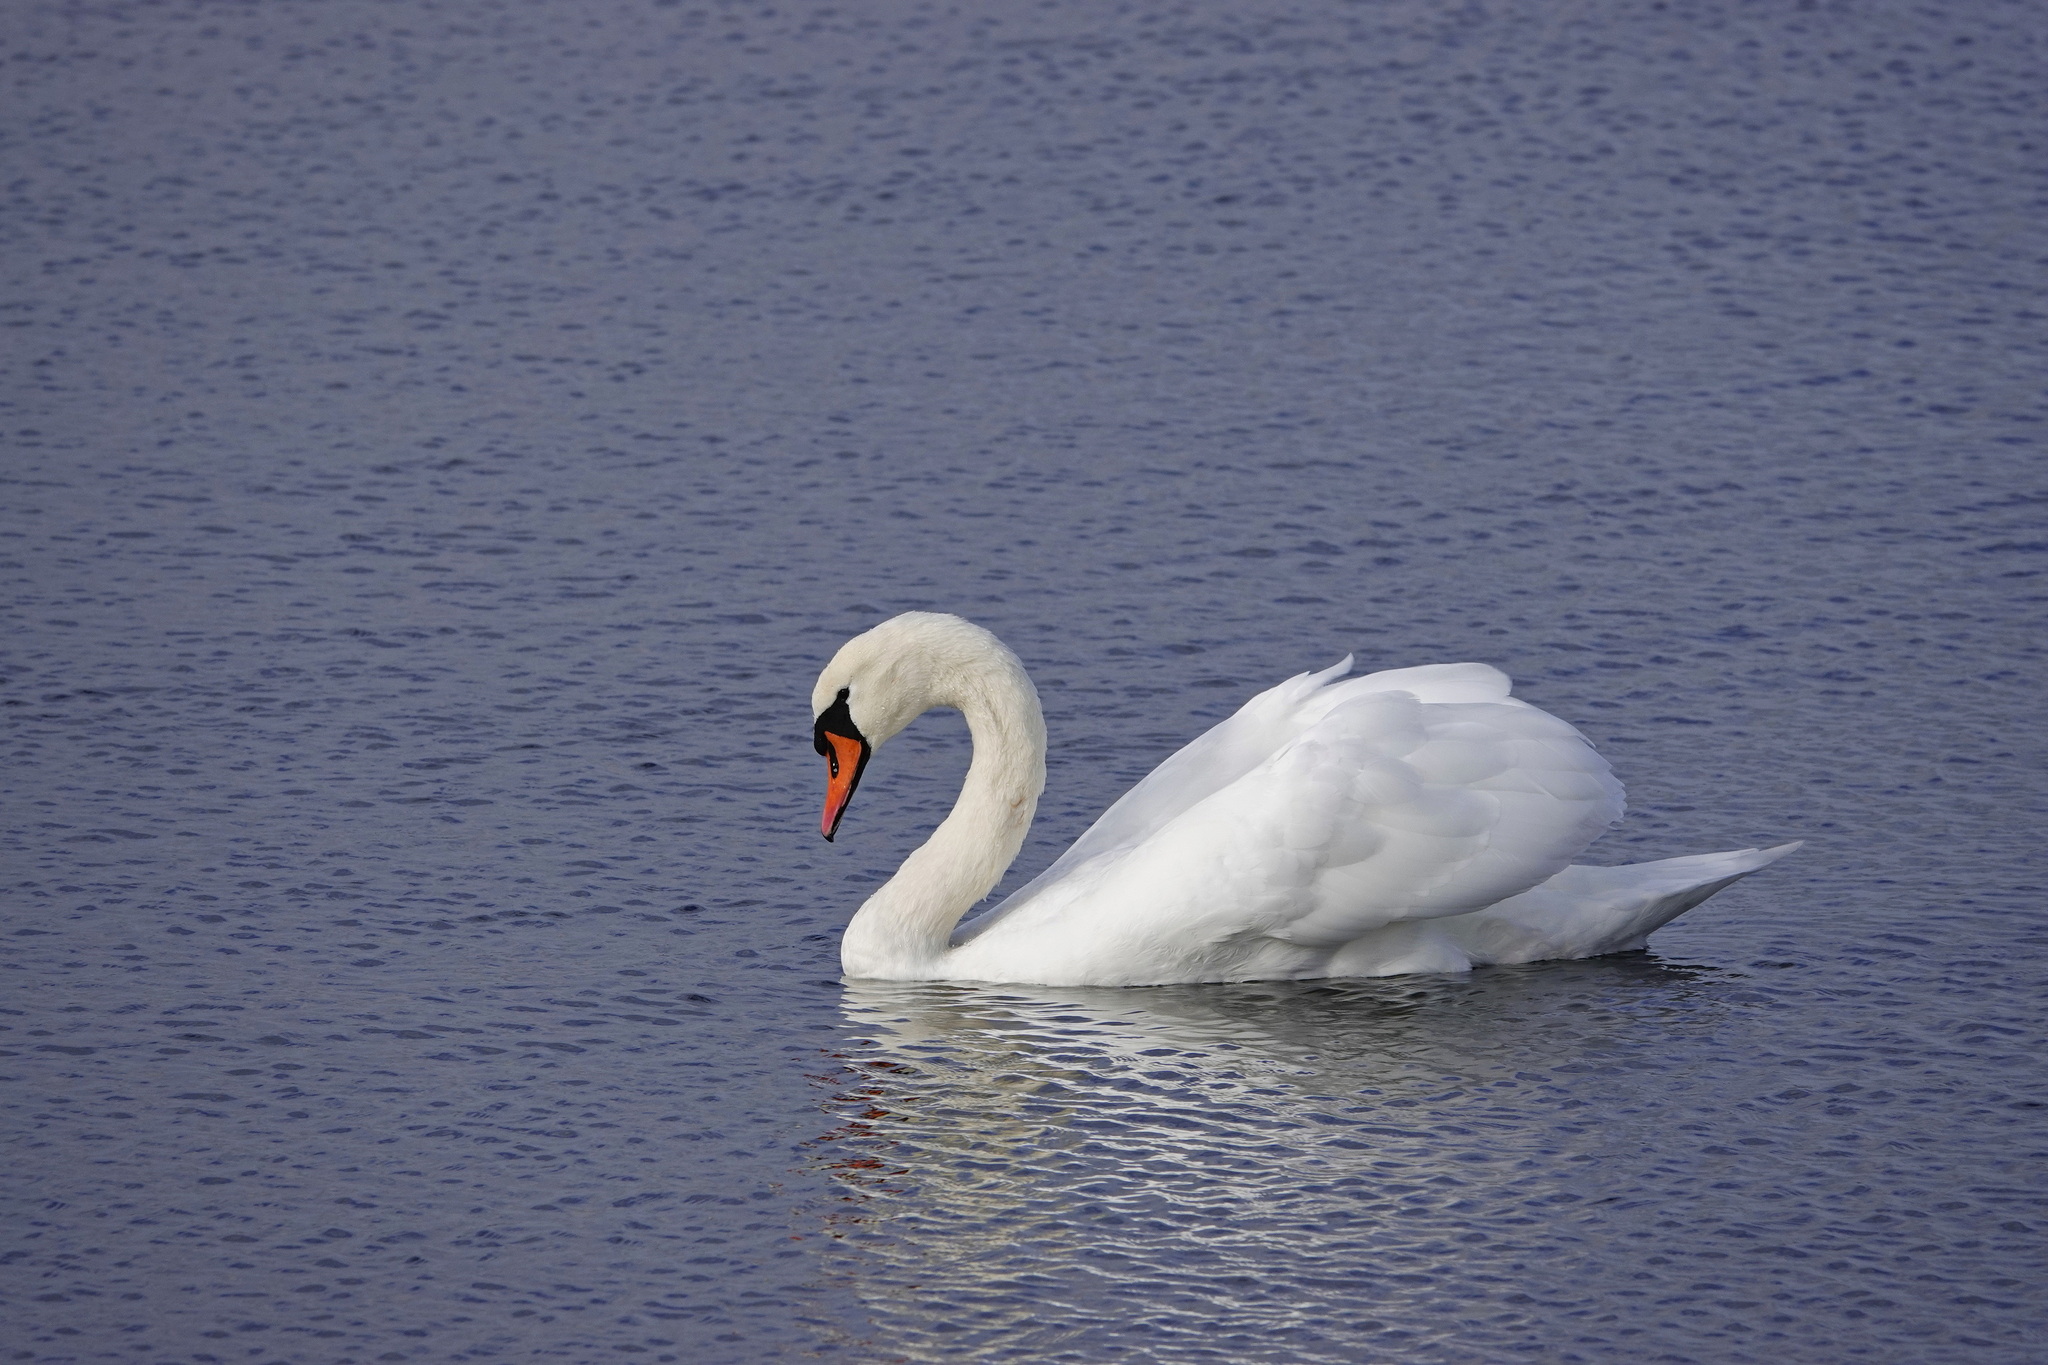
<point>1417,820</point>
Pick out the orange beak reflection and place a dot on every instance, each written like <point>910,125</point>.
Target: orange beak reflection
<point>845,756</point>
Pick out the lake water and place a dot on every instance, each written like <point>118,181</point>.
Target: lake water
<point>444,441</point>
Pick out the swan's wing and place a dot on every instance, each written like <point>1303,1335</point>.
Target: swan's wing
<point>1232,748</point>
<point>1493,798</point>
<point>1382,805</point>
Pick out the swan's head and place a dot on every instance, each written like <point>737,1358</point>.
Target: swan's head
<point>885,678</point>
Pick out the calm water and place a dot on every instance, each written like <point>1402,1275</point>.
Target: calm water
<point>443,442</point>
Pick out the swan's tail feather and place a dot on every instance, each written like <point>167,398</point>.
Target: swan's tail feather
<point>1590,911</point>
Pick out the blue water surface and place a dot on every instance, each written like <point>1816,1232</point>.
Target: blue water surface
<point>442,442</point>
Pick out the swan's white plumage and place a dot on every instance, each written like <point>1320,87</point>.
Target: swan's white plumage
<point>1418,819</point>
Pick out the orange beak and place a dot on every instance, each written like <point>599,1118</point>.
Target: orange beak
<point>846,752</point>
<point>845,756</point>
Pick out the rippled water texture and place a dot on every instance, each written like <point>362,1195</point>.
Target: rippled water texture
<point>443,441</point>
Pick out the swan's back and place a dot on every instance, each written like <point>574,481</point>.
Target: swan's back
<point>1320,811</point>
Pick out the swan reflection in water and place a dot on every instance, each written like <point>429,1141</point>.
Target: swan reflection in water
<point>1246,1172</point>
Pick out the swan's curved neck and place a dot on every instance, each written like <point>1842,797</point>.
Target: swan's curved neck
<point>904,928</point>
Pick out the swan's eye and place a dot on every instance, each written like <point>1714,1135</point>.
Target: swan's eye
<point>835,719</point>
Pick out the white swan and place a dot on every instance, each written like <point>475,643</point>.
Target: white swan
<point>1416,820</point>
